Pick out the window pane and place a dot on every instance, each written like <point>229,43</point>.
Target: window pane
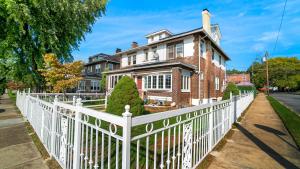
<point>179,50</point>
<point>170,52</point>
<point>167,81</point>
<point>161,81</point>
<point>149,82</point>
<point>145,82</point>
<point>129,60</point>
<point>154,82</point>
<point>134,59</point>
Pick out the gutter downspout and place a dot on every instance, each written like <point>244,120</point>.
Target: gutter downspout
<point>199,74</point>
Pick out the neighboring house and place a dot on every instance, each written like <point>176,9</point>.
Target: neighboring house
<point>92,72</point>
<point>184,69</point>
<point>238,78</point>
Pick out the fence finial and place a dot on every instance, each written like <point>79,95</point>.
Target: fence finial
<point>127,113</point>
<point>78,102</point>
<point>74,100</point>
<point>55,98</point>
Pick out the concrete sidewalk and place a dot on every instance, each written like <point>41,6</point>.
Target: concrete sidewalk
<point>16,147</point>
<point>260,141</point>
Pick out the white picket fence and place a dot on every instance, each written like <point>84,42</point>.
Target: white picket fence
<point>79,137</point>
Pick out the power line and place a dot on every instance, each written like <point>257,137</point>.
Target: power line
<point>283,12</point>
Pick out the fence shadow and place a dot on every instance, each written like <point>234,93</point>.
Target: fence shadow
<point>275,132</point>
<point>272,153</point>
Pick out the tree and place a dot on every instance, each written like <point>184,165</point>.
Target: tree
<point>231,88</point>
<point>30,29</point>
<point>284,73</point>
<point>61,77</point>
<point>234,71</point>
<point>103,80</point>
<point>125,92</point>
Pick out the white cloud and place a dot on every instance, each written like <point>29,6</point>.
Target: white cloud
<point>268,36</point>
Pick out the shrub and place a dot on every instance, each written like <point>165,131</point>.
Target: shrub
<point>247,89</point>
<point>231,87</point>
<point>125,92</point>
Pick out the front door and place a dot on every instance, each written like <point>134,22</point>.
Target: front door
<point>139,83</point>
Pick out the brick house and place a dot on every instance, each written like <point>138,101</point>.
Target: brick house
<point>185,69</point>
<point>238,78</point>
<point>92,72</point>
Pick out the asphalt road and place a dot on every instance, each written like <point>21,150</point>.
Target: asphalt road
<point>290,100</point>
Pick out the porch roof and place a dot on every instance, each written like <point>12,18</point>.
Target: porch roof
<point>152,66</point>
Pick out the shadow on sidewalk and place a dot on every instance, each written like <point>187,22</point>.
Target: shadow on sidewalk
<point>272,153</point>
<point>277,133</point>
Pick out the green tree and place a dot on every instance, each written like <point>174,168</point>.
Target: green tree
<point>283,73</point>
<point>231,88</point>
<point>234,71</point>
<point>125,92</point>
<point>103,80</point>
<point>30,29</point>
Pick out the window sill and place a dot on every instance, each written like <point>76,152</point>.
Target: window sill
<point>185,91</point>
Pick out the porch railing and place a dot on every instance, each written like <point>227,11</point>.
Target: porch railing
<point>80,137</point>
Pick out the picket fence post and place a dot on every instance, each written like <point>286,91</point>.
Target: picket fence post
<point>77,134</point>
<point>210,126</point>
<point>126,138</point>
<point>53,125</point>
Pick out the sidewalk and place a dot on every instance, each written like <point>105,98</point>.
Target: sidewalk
<point>16,147</point>
<point>260,141</point>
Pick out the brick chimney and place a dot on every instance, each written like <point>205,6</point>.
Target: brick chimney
<point>206,21</point>
<point>134,45</point>
<point>118,50</point>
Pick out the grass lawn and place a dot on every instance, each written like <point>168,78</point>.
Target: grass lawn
<point>290,119</point>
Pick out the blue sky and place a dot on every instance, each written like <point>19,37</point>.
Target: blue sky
<point>248,28</point>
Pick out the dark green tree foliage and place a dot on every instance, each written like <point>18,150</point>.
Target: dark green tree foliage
<point>125,92</point>
<point>231,87</point>
<point>31,28</point>
<point>284,72</point>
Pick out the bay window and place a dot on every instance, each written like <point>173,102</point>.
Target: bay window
<point>161,81</point>
<point>168,81</point>
<point>113,80</point>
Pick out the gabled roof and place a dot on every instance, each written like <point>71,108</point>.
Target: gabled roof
<point>179,35</point>
<point>158,32</point>
<point>102,57</point>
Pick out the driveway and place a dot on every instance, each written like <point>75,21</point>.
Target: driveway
<point>290,100</point>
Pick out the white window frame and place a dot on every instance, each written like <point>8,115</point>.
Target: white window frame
<point>157,85</point>
<point>95,85</point>
<point>202,54</point>
<point>178,46</point>
<point>185,81</point>
<point>98,68</point>
<point>81,85</point>
<point>113,80</point>
<point>217,83</point>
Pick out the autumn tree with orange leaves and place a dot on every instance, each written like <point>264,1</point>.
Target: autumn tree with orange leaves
<point>60,77</point>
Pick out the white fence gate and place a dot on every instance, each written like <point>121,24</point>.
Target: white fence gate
<point>79,137</point>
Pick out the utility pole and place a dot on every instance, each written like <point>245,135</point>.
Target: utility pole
<point>267,70</point>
